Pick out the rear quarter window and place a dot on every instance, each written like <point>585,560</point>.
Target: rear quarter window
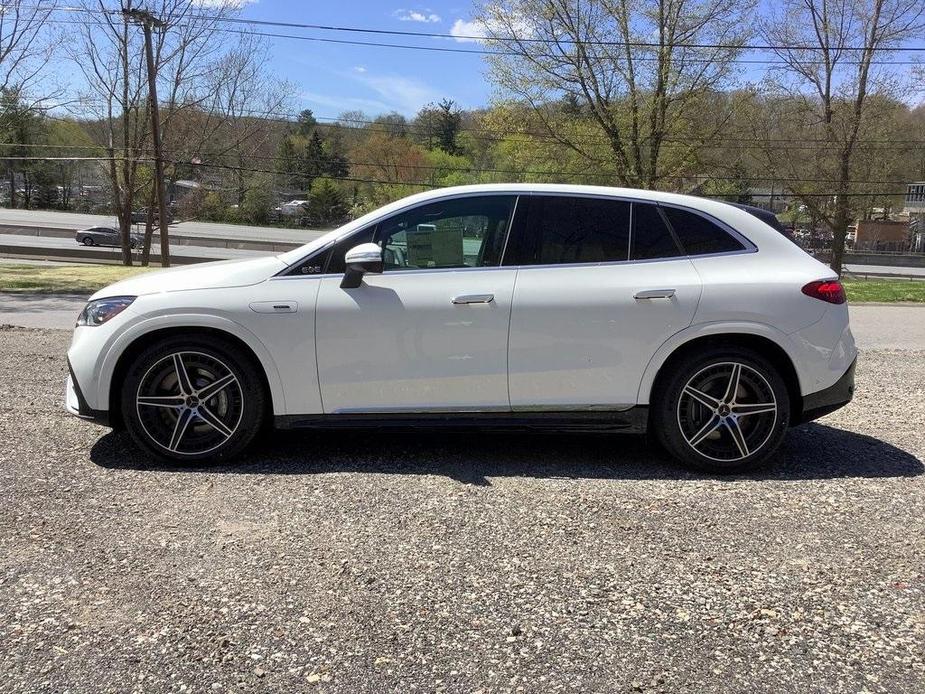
<point>698,235</point>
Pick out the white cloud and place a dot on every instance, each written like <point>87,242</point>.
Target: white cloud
<point>374,93</point>
<point>337,104</point>
<point>423,16</point>
<point>403,94</point>
<point>360,68</point>
<point>464,31</point>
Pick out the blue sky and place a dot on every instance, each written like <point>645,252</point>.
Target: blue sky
<point>334,78</point>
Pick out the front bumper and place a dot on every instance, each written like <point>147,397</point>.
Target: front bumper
<point>76,404</point>
<point>837,395</point>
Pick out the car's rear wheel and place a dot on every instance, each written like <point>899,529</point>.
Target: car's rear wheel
<point>723,410</point>
<point>87,240</point>
<point>192,400</point>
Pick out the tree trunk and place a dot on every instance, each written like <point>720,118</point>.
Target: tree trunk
<point>842,215</point>
<point>149,231</point>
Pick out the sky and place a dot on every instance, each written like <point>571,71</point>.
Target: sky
<point>334,78</point>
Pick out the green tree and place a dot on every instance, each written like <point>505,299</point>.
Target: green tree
<point>326,203</point>
<point>438,126</point>
<point>20,126</point>
<point>258,199</point>
<point>287,162</point>
<point>734,187</point>
<point>315,159</point>
<point>213,208</point>
<point>306,123</point>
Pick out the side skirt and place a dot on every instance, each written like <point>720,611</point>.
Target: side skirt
<point>631,421</point>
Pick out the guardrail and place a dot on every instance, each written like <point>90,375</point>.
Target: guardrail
<point>175,239</point>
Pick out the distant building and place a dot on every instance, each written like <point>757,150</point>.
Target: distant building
<point>881,235</point>
<point>915,208</point>
<point>915,198</point>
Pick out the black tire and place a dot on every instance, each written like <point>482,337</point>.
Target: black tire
<point>239,407</point>
<point>87,241</point>
<point>701,425</point>
<point>133,245</point>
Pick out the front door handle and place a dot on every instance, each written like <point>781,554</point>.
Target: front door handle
<point>473,299</point>
<point>654,294</point>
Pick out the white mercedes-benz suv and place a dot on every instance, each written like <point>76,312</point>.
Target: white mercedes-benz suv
<point>517,306</point>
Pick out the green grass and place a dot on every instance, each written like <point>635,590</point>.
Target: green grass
<point>885,291</point>
<point>61,279</point>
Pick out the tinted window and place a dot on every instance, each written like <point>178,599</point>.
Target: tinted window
<point>651,238</point>
<point>461,232</point>
<point>699,235</point>
<point>576,230</point>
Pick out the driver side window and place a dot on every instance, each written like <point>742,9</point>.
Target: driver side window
<point>455,233</point>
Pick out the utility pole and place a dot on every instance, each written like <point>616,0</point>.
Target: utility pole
<point>147,20</point>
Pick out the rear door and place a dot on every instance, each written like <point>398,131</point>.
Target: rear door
<point>602,284</point>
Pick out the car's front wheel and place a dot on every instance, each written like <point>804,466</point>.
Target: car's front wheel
<point>723,410</point>
<point>192,400</point>
<point>87,240</point>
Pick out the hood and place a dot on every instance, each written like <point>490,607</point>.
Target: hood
<point>224,273</point>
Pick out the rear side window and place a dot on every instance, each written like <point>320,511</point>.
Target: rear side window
<point>564,230</point>
<point>651,237</point>
<point>698,235</point>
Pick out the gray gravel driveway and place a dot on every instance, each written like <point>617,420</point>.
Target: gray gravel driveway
<point>367,563</point>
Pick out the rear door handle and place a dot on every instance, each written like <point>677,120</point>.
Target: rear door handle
<point>654,294</point>
<point>473,299</point>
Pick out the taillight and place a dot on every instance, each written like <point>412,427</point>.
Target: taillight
<point>826,290</point>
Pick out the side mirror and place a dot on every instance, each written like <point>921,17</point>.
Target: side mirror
<point>367,257</point>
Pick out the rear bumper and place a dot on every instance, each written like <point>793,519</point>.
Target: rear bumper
<point>837,395</point>
<point>76,404</point>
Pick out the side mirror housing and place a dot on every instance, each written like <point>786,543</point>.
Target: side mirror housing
<point>367,257</point>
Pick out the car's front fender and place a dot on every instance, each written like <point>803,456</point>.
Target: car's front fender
<point>192,320</point>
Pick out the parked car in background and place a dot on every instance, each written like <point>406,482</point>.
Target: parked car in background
<point>525,306</point>
<point>141,216</point>
<point>106,236</point>
<point>293,208</point>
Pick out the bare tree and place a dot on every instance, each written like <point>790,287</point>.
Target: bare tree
<point>832,76</point>
<point>24,44</point>
<point>239,115</point>
<point>636,68</point>
<point>108,52</point>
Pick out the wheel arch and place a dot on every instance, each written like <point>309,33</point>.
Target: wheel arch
<point>121,357</point>
<point>762,342</point>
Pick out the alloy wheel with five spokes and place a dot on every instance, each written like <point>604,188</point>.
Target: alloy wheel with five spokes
<point>727,411</point>
<point>189,403</point>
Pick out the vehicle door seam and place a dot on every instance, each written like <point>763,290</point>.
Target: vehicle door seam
<point>507,353</point>
<point>315,340</point>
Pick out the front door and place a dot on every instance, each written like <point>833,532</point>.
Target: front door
<point>430,333</point>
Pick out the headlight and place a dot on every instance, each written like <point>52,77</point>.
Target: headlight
<point>99,311</point>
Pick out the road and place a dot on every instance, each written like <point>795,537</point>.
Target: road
<point>72,220</point>
<point>874,326</point>
<point>63,248</point>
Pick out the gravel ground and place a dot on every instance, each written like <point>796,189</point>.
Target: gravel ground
<point>365,563</point>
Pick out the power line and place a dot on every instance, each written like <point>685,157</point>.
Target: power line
<point>502,39</point>
<point>509,53</point>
